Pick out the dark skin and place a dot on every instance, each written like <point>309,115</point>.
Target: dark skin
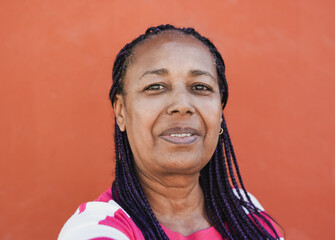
<point>171,110</point>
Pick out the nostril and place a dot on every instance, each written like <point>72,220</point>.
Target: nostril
<point>180,109</point>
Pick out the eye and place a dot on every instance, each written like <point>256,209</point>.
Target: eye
<point>154,87</point>
<point>201,87</point>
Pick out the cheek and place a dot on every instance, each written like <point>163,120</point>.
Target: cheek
<point>211,113</point>
<point>142,117</point>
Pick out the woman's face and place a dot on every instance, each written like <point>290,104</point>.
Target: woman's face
<point>171,108</point>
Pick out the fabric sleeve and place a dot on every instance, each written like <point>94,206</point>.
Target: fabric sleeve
<point>100,221</point>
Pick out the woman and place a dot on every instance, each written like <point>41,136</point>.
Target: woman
<point>174,176</point>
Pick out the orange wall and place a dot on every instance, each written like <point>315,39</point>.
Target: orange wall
<point>56,121</point>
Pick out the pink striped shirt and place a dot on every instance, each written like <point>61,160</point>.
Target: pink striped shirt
<point>104,219</point>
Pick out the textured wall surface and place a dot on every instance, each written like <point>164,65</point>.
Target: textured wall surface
<point>56,124</point>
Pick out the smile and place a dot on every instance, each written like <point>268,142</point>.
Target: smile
<point>180,135</point>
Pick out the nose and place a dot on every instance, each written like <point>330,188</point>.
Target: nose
<point>180,102</point>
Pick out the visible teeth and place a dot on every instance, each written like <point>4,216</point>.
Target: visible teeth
<point>180,135</point>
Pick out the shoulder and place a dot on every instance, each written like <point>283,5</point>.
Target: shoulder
<point>100,220</point>
<point>249,198</point>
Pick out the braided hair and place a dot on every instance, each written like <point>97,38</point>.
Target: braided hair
<point>226,208</point>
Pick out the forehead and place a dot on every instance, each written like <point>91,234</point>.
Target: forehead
<point>172,45</point>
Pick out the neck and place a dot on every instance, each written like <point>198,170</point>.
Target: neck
<point>177,201</point>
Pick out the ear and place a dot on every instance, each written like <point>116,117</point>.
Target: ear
<point>221,113</point>
<point>222,104</point>
<point>119,111</point>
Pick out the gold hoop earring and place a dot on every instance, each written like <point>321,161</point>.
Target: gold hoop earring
<point>221,131</point>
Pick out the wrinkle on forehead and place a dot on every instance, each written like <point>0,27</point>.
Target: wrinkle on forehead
<point>166,37</point>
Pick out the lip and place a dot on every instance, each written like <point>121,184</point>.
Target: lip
<point>169,135</point>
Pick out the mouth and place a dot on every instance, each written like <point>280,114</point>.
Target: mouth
<point>180,135</point>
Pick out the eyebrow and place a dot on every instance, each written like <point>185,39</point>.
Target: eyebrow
<point>164,72</point>
<point>195,73</point>
<point>159,72</point>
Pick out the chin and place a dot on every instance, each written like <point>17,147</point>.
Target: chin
<point>183,165</point>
